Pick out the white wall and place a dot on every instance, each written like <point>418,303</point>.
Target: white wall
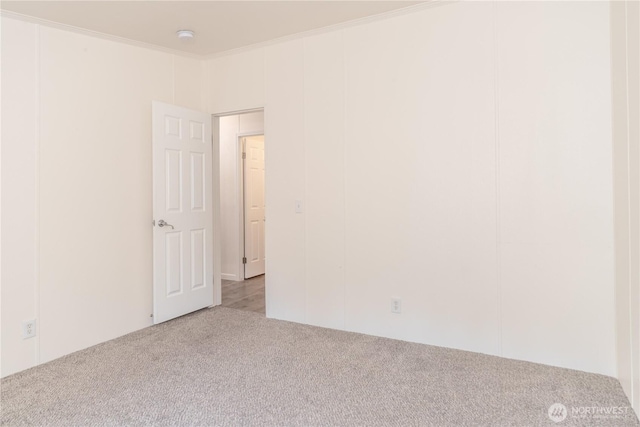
<point>556,215</point>
<point>625,37</point>
<point>324,123</point>
<point>19,199</point>
<point>76,185</point>
<point>229,201</point>
<point>239,82</point>
<point>230,189</point>
<point>457,157</point>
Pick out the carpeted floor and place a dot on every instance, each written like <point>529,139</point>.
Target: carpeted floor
<point>228,367</point>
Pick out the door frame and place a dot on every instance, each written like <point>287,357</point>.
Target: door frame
<point>241,199</point>
<point>215,194</point>
<point>215,190</point>
<point>217,227</point>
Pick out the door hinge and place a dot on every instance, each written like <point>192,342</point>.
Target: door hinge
<point>244,259</point>
<point>244,155</point>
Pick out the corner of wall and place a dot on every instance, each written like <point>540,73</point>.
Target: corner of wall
<point>625,81</point>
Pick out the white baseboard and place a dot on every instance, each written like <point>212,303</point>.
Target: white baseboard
<point>234,277</point>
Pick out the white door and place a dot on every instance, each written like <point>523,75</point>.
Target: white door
<point>182,212</point>
<point>254,205</point>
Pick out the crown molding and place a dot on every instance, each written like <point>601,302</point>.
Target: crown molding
<point>428,4</point>
<point>336,27</point>
<point>96,34</point>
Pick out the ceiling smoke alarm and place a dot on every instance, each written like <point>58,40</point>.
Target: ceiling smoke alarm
<point>185,34</point>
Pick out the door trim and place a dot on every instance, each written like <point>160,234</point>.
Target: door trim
<point>215,185</point>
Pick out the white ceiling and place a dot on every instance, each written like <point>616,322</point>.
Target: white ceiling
<point>219,25</point>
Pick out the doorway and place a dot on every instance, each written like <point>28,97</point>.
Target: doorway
<point>242,210</point>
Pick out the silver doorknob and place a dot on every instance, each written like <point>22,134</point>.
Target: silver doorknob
<point>163,223</point>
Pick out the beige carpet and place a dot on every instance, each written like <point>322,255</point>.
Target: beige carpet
<point>227,367</point>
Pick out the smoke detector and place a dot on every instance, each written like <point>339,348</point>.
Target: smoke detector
<point>185,34</point>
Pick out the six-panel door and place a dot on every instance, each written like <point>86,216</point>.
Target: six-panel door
<point>182,211</point>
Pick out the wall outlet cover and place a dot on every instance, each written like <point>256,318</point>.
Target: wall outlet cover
<point>29,329</point>
<point>396,305</point>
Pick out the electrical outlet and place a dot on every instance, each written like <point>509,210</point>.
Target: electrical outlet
<point>29,329</point>
<point>396,305</point>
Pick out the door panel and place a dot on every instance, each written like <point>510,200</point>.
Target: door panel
<point>198,258</point>
<point>173,180</point>
<point>173,258</point>
<point>182,197</point>
<point>197,182</point>
<point>254,206</point>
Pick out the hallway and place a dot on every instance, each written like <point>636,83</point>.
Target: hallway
<point>246,295</point>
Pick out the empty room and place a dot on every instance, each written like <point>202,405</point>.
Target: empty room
<point>320,213</point>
